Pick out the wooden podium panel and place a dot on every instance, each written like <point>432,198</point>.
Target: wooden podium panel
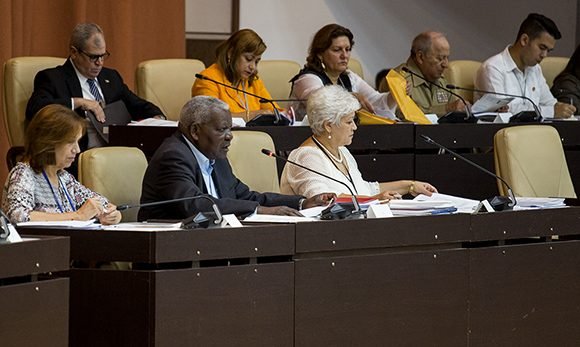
<point>250,305</point>
<point>525,295</point>
<point>397,299</point>
<point>182,290</point>
<point>365,234</point>
<point>34,304</point>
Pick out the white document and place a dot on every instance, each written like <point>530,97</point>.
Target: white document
<point>143,226</point>
<point>90,224</point>
<point>154,122</point>
<point>490,103</point>
<point>533,202</point>
<point>313,211</point>
<point>463,205</point>
<point>270,218</point>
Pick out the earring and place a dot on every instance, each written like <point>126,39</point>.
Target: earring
<point>323,66</point>
<point>329,136</point>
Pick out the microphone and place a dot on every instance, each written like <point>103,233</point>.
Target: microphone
<point>279,119</point>
<point>357,210</point>
<point>467,109</point>
<point>499,203</point>
<point>536,108</point>
<point>198,220</point>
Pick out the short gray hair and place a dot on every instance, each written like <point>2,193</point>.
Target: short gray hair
<point>330,103</point>
<point>83,32</point>
<point>199,110</point>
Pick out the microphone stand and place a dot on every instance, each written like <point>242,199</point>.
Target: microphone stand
<point>512,197</point>
<point>190,222</point>
<point>467,109</point>
<point>357,210</point>
<point>536,108</point>
<point>279,117</point>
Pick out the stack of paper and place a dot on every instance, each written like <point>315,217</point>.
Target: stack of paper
<point>420,207</point>
<point>525,203</point>
<point>463,205</point>
<point>90,224</point>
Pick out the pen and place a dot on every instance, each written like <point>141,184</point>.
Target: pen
<point>444,210</point>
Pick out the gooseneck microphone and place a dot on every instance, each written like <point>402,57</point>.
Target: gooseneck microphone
<point>199,219</point>
<point>467,108</point>
<point>536,108</point>
<point>502,203</point>
<point>279,118</point>
<point>357,209</point>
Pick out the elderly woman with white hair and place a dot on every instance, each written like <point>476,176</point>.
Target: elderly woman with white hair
<point>331,114</point>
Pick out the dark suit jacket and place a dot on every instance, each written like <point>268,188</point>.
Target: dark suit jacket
<point>58,85</point>
<point>173,173</point>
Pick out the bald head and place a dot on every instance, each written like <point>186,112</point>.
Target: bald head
<point>430,52</point>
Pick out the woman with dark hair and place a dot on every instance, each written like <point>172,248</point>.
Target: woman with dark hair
<point>327,63</point>
<point>237,65</point>
<point>39,188</point>
<point>566,86</point>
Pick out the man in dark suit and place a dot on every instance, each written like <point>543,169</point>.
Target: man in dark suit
<point>193,162</point>
<point>84,84</point>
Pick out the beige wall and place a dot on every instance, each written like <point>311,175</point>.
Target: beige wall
<point>383,30</point>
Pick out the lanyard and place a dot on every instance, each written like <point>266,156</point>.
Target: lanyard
<point>60,207</point>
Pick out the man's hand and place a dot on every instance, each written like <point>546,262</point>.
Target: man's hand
<point>279,210</point>
<point>91,105</point>
<point>456,105</point>
<point>322,199</point>
<point>563,110</point>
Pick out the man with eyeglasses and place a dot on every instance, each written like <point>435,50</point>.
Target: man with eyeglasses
<point>517,69</point>
<point>430,58</point>
<point>85,85</point>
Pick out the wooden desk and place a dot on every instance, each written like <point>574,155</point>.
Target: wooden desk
<point>181,291</point>
<point>433,280</point>
<point>34,304</point>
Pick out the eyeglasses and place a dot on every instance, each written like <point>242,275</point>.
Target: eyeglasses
<point>94,57</point>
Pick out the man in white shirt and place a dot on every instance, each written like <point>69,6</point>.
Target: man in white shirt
<point>516,70</point>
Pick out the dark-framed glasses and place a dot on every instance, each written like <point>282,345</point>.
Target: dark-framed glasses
<point>94,57</point>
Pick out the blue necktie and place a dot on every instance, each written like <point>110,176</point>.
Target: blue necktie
<point>94,90</point>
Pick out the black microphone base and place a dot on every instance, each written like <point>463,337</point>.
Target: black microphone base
<point>268,120</point>
<point>341,211</point>
<point>457,117</point>
<point>501,203</point>
<point>200,220</point>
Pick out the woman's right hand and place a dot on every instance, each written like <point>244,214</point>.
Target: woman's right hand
<point>90,209</point>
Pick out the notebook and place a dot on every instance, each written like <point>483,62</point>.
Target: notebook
<point>116,113</point>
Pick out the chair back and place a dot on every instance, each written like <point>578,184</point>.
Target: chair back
<point>462,74</point>
<point>551,67</point>
<point>256,170</point>
<point>19,76</point>
<point>276,75</point>
<point>531,159</point>
<point>116,173</point>
<point>167,83</point>
<point>355,66</point>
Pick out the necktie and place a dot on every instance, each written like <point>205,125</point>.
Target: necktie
<point>94,90</point>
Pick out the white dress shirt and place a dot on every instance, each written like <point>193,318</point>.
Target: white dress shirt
<point>501,74</point>
<point>298,181</point>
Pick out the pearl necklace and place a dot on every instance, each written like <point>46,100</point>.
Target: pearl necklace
<point>338,160</point>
